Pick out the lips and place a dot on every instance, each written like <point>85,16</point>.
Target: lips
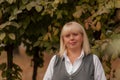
<point>72,43</point>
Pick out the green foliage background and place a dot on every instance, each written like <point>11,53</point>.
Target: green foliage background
<point>37,23</point>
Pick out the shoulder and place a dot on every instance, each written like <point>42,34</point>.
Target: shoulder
<point>88,56</point>
<point>57,60</point>
<point>95,57</point>
<point>53,58</point>
<point>96,60</point>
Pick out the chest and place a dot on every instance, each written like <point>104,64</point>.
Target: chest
<point>84,72</point>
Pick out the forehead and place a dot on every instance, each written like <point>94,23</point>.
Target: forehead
<point>71,29</point>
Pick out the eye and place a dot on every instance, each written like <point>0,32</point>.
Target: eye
<point>67,35</point>
<point>75,34</point>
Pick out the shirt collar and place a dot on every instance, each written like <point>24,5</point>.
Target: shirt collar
<point>79,57</point>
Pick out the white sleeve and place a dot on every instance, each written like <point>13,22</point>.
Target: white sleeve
<point>49,71</point>
<point>99,71</point>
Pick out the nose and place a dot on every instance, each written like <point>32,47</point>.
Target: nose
<point>71,37</point>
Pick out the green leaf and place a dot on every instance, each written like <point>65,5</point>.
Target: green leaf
<point>15,24</point>
<point>12,17</point>
<point>30,5</point>
<point>14,1</point>
<point>78,12</point>
<point>106,68</point>
<point>17,68</point>
<point>56,1</point>
<point>117,3</point>
<point>2,36</point>
<point>4,25</point>
<point>56,32</point>
<point>59,14</point>
<point>10,1</point>
<point>12,36</point>
<point>24,1</point>
<point>38,8</point>
<point>65,1</point>
<point>26,22</point>
<point>49,28</point>
<point>4,74</point>
<point>37,43</point>
<point>22,7</point>
<point>1,1</point>
<point>8,23</point>
<point>2,66</point>
<point>17,11</point>
<point>14,14</point>
<point>45,38</point>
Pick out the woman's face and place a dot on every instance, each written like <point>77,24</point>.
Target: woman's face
<point>73,40</point>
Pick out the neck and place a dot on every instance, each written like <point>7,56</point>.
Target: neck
<point>73,54</point>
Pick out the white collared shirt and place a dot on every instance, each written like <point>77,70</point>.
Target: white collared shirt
<point>71,68</point>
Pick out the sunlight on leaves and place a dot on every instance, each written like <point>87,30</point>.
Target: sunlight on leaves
<point>2,36</point>
<point>8,23</point>
<point>45,37</point>
<point>25,1</point>
<point>12,36</point>
<point>4,25</point>
<point>98,26</point>
<point>56,32</point>
<point>117,3</point>
<point>38,8</point>
<point>1,1</point>
<point>10,1</point>
<point>78,12</point>
<point>30,5</point>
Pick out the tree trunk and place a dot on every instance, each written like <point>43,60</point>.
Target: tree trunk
<point>9,49</point>
<point>36,62</point>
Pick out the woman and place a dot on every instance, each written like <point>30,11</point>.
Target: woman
<point>74,61</point>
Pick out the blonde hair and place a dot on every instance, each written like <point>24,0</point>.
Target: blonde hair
<point>74,26</point>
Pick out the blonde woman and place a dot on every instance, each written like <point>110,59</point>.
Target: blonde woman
<point>74,61</point>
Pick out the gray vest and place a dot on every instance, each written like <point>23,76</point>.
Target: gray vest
<point>84,72</point>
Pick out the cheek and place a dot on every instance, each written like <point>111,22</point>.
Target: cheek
<point>64,40</point>
<point>80,39</point>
